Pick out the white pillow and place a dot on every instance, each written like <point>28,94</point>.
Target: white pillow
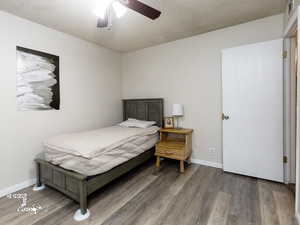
<point>137,123</point>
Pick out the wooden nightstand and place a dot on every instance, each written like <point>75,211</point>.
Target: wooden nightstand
<point>174,144</point>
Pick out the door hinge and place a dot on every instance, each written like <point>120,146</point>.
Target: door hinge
<point>284,54</point>
<point>285,159</point>
<point>225,117</point>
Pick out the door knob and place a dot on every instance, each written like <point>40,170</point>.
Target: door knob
<point>225,117</point>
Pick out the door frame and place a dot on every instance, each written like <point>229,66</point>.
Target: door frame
<point>290,110</point>
<point>292,27</point>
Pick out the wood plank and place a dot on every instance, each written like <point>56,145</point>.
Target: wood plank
<point>49,200</point>
<point>184,209</point>
<point>138,205</point>
<point>207,203</point>
<point>156,209</point>
<point>245,204</point>
<point>285,208</point>
<point>147,196</point>
<point>220,211</point>
<point>267,204</point>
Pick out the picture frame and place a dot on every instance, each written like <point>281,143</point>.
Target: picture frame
<point>290,6</point>
<point>168,122</point>
<point>37,84</point>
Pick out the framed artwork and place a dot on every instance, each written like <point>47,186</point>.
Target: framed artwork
<point>169,122</point>
<point>37,80</point>
<point>291,5</point>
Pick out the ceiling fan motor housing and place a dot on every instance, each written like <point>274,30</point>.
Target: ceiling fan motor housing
<point>135,5</point>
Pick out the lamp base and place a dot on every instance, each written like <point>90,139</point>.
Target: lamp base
<point>176,118</point>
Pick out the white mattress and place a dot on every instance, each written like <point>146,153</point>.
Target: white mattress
<point>112,155</point>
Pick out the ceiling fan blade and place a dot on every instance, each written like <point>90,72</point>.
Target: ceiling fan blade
<point>141,8</point>
<point>101,23</point>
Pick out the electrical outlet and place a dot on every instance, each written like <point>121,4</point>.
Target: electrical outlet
<point>212,153</point>
<point>212,150</point>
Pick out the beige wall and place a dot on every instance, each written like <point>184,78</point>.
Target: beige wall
<point>188,71</point>
<point>90,94</point>
<point>185,71</point>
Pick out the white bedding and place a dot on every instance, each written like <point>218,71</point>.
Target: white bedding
<point>98,151</point>
<point>90,144</point>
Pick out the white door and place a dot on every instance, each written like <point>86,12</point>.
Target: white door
<point>252,77</point>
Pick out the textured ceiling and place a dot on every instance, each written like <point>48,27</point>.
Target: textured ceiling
<point>179,19</point>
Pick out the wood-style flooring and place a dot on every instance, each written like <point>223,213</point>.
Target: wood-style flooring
<point>147,196</point>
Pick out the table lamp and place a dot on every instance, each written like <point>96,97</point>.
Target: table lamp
<point>177,112</point>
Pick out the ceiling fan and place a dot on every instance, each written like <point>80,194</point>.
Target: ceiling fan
<point>119,7</point>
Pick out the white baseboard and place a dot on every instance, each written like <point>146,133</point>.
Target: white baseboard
<point>207,163</point>
<point>16,187</point>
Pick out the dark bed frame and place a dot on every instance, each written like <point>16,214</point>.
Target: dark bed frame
<point>78,186</point>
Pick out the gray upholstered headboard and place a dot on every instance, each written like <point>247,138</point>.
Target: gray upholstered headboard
<point>144,109</point>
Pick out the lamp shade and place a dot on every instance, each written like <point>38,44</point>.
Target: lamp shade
<point>177,110</point>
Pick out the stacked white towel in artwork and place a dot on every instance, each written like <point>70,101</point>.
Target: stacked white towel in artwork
<point>35,78</point>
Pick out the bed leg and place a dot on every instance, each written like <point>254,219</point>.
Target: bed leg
<point>38,186</point>
<point>83,197</point>
<point>82,213</point>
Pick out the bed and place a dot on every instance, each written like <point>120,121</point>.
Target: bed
<point>78,186</point>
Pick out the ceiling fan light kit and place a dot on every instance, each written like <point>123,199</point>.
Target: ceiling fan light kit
<point>119,9</point>
<point>104,11</point>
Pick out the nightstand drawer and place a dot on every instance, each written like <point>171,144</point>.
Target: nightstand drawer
<point>171,145</point>
<point>168,152</point>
